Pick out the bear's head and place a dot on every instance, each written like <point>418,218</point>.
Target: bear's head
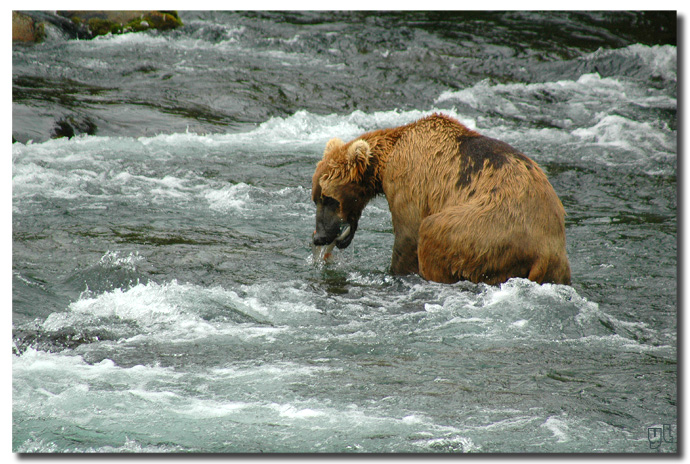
<point>341,188</point>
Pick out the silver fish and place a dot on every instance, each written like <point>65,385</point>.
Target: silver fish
<point>323,252</point>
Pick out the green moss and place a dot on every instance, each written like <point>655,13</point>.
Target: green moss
<point>104,26</point>
<point>137,25</point>
<point>173,14</point>
<point>40,29</point>
<point>161,20</point>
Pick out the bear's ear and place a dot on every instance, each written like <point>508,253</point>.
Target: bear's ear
<point>333,144</point>
<point>357,159</point>
<point>344,166</point>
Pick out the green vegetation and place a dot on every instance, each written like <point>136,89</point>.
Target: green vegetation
<point>121,24</point>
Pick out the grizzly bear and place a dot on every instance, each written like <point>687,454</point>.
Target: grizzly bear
<point>464,206</point>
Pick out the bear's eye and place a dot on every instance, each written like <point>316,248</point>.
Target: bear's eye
<point>329,202</point>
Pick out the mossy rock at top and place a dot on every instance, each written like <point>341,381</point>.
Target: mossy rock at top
<point>120,22</point>
<point>26,29</point>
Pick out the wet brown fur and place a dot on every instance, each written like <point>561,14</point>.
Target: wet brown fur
<point>464,206</point>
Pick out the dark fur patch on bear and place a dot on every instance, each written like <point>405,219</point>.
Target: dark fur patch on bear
<point>478,152</point>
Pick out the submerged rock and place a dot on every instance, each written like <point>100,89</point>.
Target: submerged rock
<point>70,126</point>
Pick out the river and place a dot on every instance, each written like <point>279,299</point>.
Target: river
<point>164,294</point>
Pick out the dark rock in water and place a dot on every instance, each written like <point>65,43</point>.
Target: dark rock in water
<point>120,22</point>
<point>25,29</point>
<point>55,341</point>
<point>73,125</point>
<point>37,26</point>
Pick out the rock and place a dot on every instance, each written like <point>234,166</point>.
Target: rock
<point>39,124</point>
<point>119,22</point>
<point>25,29</point>
<point>37,26</point>
<point>32,26</point>
<point>69,126</point>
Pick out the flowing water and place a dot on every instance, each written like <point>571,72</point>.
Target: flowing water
<point>164,293</point>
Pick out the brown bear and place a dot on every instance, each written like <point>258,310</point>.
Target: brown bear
<point>464,206</point>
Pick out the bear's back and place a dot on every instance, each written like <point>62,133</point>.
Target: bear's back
<point>440,160</point>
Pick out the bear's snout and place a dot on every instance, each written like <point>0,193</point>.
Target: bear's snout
<point>321,239</point>
<point>342,235</point>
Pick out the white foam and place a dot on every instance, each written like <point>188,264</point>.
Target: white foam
<point>38,445</point>
<point>133,446</point>
<point>209,409</point>
<point>112,259</point>
<point>576,99</point>
<point>305,127</point>
<point>594,118</point>
<point>302,128</point>
<point>558,427</point>
<point>63,378</point>
<point>86,167</point>
<point>229,198</point>
<point>520,324</point>
<point>661,60</point>
<point>413,419</point>
<point>280,370</point>
<point>134,168</point>
<point>519,422</point>
<point>283,301</point>
<point>151,305</point>
<point>299,128</point>
<point>117,40</point>
<point>183,140</point>
<point>621,344</point>
<point>520,309</point>
<point>618,131</point>
<point>34,445</point>
<point>290,411</point>
<point>170,311</point>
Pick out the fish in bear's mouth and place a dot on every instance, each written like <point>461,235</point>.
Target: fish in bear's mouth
<point>323,252</point>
